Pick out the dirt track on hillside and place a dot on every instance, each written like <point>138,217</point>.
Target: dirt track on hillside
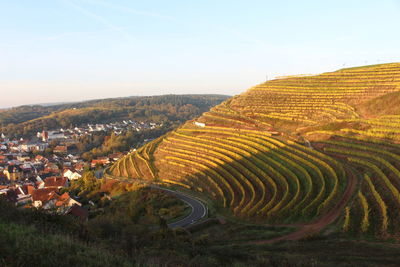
<point>315,227</point>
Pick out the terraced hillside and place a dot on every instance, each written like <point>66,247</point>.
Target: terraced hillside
<point>292,150</point>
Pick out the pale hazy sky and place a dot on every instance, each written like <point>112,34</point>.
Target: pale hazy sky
<point>71,50</point>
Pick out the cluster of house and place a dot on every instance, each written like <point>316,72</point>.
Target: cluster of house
<point>45,194</point>
<point>17,162</point>
<point>33,180</point>
<point>17,167</point>
<point>116,127</point>
<point>67,137</point>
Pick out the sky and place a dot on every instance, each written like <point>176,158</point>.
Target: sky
<point>73,50</point>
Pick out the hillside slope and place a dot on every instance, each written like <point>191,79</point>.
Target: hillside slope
<point>252,154</point>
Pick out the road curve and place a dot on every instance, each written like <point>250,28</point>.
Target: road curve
<point>199,210</point>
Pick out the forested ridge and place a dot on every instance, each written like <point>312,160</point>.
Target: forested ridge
<point>26,120</point>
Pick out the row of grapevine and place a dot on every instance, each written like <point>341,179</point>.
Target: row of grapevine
<point>321,97</point>
<point>263,156</point>
<point>379,197</point>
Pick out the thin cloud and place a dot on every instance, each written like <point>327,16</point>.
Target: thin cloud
<point>98,18</point>
<point>129,9</point>
<point>67,34</point>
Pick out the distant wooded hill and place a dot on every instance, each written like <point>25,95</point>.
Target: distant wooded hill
<point>26,120</point>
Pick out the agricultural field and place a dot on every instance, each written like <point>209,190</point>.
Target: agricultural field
<point>305,151</point>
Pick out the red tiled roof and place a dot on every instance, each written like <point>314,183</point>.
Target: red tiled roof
<point>44,194</point>
<point>64,196</point>
<point>100,161</point>
<point>55,181</point>
<point>31,188</point>
<point>64,200</point>
<point>28,189</point>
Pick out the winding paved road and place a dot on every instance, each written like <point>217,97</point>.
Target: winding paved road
<point>199,210</point>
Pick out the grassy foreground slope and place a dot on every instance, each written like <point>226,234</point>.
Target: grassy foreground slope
<point>292,150</point>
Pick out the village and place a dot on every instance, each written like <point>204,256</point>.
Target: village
<point>31,178</point>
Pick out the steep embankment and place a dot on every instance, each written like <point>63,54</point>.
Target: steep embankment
<point>252,155</point>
